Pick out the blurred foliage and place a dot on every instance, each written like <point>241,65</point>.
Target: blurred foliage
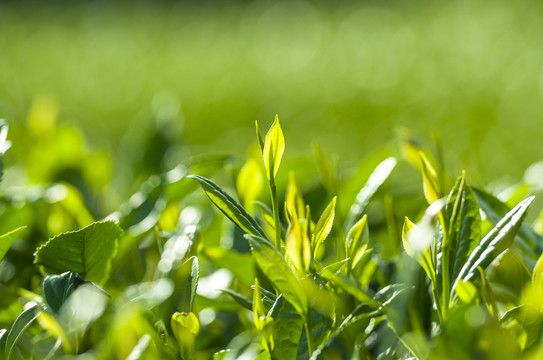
<point>111,107</point>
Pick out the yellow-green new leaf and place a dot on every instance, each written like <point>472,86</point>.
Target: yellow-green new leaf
<point>537,276</point>
<point>259,137</point>
<point>324,226</point>
<point>466,291</point>
<point>259,313</point>
<point>357,241</point>
<point>294,203</point>
<point>185,328</point>
<point>249,183</point>
<point>272,263</point>
<point>407,226</point>
<point>274,146</point>
<point>298,246</point>
<point>431,186</point>
<point>417,247</point>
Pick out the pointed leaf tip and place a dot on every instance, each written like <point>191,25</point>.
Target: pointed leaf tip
<point>274,146</point>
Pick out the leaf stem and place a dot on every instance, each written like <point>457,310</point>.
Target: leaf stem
<point>275,206</point>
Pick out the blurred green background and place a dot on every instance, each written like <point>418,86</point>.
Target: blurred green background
<point>109,93</point>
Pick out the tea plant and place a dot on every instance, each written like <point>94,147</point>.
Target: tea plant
<point>311,277</point>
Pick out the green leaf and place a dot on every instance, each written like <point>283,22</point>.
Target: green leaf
<point>241,265</point>
<point>88,251</point>
<point>466,291</point>
<point>416,344</point>
<point>528,240</point>
<point>431,186</point>
<point>274,146</point>
<point>234,211</point>
<point>466,226</point>
<point>350,287</point>
<point>537,277</point>
<point>272,263</point>
<point>496,241</point>
<point>356,242</point>
<point>321,327</point>
<point>57,288</point>
<point>324,226</point>
<point>298,246</point>
<point>20,325</point>
<point>138,352</point>
<point>185,328</point>
<point>7,240</point>
<point>249,183</point>
<point>413,239</point>
<point>240,299</point>
<point>288,328</point>
<point>376,179</point>
<point>191,270</point>
<point>259,136</point>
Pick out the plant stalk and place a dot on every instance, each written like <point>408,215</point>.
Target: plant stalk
<point>275,206</point>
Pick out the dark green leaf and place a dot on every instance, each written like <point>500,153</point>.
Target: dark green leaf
<point>57,288</point>
<point>287,329</point>
<point>320,328</point>
<point>240,299</point>
<point>21,323</point>
<point>88,251</point>
<point>230,207</point>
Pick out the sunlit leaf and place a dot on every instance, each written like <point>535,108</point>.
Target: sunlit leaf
<point>324,226</point>
<point>465,227</point>
<point>274,146</point>
<point>185,328</point>
<point>298,246</point>
<point>374,182</point>
<point>432,189</point>
<point>249,183</point>
<point>294,203</point>
<point>357,241</point>
<point>527,239</point>
<point>497,240</point>
<point>7,240</point>
<point>466,291</point>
